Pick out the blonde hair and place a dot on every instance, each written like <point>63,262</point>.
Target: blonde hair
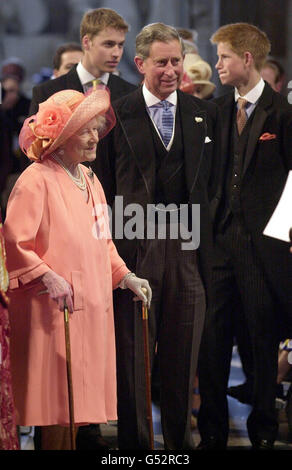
<point>155,32</point>
<point>244,37</point>
<point>95,21</point>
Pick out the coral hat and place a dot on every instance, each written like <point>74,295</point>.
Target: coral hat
<point>60,117</point>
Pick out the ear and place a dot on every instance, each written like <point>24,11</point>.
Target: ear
<point>85,42</point>
<point>139,64</point>
<point>279,86</point>
<point>248,58</point>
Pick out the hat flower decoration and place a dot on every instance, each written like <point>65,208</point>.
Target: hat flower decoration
<point>61,116</point>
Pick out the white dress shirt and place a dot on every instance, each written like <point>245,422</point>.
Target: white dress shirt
<point>85,76</point>
<point>156,113</point>
<point>252,96</point>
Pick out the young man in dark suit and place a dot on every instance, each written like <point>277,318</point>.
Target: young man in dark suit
<point>102,36</point>
<point>252,273</point>
<point>153,165</point>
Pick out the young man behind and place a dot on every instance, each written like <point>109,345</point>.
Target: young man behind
<point>252,273</point>
<point>102,36</point>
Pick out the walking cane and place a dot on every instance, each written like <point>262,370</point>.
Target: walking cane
<point>69,378</point>
<point>147,371</point>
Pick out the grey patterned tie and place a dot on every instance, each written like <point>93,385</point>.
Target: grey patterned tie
<point>167,122</point>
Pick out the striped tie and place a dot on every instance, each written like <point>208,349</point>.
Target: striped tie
<point>241,117</point>
<point>95,82</point>
<point>92,84</point>
<point>167,122</point>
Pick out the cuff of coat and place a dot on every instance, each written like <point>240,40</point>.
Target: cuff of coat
<point>118,275</point>
<point>16,279</point>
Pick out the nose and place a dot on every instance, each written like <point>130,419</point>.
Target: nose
<point>218,64</point>
<point>116,51</point>
<point>94,136</point>
<point>169,69</point>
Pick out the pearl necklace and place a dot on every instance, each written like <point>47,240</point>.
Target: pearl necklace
<point>80,180</point>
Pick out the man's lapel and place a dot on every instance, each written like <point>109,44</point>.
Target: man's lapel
<point>262,110</point>
<point>134,121</point>
<point>194,129</point>
<point>226,108</point>
<point>73,81</point>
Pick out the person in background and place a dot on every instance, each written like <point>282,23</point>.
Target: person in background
<point>14,107</point>
<point>8,432</point>
<point>60,253</point>
<point>5,160</point>
<point>66,56</point>
<point>196,79</point>
<point>187,36</point>
<point>274,74</point>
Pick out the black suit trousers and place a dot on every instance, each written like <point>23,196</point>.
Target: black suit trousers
<point>176,321</point>
<point>241,296</point>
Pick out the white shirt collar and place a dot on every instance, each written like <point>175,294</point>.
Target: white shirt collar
<point>151,99</point>
<point>85,76</point>
<point>254,94</point>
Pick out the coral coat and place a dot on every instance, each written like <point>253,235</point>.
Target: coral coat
<point>50,225</point>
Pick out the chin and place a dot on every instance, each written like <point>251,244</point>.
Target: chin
<point>92,157</point>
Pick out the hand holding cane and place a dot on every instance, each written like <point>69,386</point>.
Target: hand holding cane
<point>147,370</point>
<point>69,378</point>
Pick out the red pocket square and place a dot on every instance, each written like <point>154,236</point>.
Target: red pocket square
<point>267,136</point>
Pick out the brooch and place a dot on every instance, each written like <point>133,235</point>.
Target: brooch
<point>90,174</point>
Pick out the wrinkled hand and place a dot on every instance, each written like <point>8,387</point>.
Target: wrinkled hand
<point>136,284</point>
<point>59,290</point>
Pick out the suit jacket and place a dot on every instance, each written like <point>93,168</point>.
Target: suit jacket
<point>265,169</point>
<point>130,168</point>
<point>70,81</point>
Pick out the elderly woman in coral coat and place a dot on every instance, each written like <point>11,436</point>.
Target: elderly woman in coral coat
<point>59,251</point>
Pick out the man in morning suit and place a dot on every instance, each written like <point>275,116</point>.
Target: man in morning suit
<point>102,35</point>
<point>252,273</point>
<point>152,165</point>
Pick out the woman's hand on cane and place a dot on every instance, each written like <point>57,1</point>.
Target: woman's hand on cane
<point>59,290</point>
<point>137,285</point>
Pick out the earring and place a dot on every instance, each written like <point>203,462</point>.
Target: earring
<point>60,152</point>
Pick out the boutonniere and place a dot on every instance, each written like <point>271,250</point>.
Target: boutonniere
<point>198,119</point>
<point>90,175</point>
<point>267,136</point>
